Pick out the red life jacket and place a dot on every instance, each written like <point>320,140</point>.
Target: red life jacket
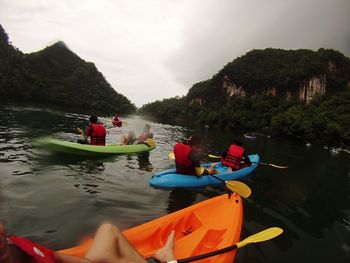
<point>98,136</point>
<point>38,253</point>
<point>234,157</point>
<point>182,159</point>
<point>117,122</point>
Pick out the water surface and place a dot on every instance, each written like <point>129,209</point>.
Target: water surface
<point>57,199</point>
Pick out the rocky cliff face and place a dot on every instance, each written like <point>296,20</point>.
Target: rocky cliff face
<point>308,89</point>
<point>289,74</point>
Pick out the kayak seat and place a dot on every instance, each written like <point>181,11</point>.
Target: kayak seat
<point>210,241</point>
<point>182,226</point>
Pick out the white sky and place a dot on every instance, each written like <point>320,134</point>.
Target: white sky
<point>154,49</point>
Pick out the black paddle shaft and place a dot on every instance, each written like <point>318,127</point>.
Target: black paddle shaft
<point>207,255</point>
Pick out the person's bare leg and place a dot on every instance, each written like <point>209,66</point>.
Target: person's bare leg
<point>123,140</point>
<point>110,245</point>
<point>166,253</point>
<point>211,169</point>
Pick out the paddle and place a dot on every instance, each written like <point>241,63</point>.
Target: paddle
<point>268,164</point>
<point>150,142</point>
<point>262,236</point>
<point>234,186</point>
<point>82,133</point>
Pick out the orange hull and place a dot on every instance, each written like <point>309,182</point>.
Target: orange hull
<point>204,227</point>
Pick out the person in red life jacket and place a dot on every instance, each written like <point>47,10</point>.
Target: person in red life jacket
<point>96,132</point>
<point>116,121</point>
<point>109,246</point>
<point>235,157</point>
<point>187,158</point>
<point>146,134</point>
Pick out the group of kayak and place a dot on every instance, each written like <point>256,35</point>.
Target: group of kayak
<point>234,164</point>
<point>208,231</point>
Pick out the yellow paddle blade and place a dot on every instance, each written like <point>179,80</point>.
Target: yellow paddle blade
<point>278,166</point>
<point>239,187</point>
<point>150,143</point>
<point>264,235</point>
<point>125,123</point>
<point>214,156</point>
<point>171,155</point>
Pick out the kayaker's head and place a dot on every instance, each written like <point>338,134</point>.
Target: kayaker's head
<point>237,142</point>
<point>194,141</point>
<point>146,128</point>
<point>93,119</point>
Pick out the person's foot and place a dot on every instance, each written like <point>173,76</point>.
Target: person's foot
<point>166,253</point>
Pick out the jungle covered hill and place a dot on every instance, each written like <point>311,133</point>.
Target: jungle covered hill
<point>56,76</point>
<point>295,94</point>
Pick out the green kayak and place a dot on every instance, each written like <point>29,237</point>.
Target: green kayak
<point>60,146</point>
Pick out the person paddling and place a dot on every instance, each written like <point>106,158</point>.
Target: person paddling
<point>146,134</point>
<point>116,121</point>
<point>235,156</point>
<point>96,131</point>
<point>109,246</point>
<point>128,139</point>
<point>187,158</point>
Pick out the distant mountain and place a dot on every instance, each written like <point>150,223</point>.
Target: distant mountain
<point>289,74</point>
<point>57,76</point>
<point>300,94</point>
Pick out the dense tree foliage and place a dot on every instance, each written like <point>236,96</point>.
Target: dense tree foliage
<point>326,119</point>
<point>57,76</point>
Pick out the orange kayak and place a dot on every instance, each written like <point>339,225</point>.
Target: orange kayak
<point>201,228</point>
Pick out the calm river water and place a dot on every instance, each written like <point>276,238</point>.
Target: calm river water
<point>56,200</point>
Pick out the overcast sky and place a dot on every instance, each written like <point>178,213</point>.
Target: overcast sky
<point>154,49</point>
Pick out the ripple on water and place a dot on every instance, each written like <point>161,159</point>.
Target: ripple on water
<point>58,198</point>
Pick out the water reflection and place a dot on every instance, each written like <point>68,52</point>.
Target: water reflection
<point>310,200</point>
<point>144,163</point>
<point>180,198</point>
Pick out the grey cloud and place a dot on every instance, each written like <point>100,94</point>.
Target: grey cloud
<point>154,49</point>
<point>223,30</point>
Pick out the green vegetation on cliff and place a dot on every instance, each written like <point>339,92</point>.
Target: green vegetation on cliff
<point>298,94</point>
<point>57,76</point>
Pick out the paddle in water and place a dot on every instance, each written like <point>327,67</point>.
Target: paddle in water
<point>268,164</point>
<point>262,236</point>
<point>234,186</point>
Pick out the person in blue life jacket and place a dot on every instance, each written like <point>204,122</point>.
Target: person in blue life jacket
<point>109,246</point>
<point>96,131</point>
<point>187,158</point>
<point>235,156</point>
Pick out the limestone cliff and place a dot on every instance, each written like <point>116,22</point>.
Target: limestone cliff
<point>288,74</point>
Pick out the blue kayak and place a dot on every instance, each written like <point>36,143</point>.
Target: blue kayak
<point>170,179</point>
